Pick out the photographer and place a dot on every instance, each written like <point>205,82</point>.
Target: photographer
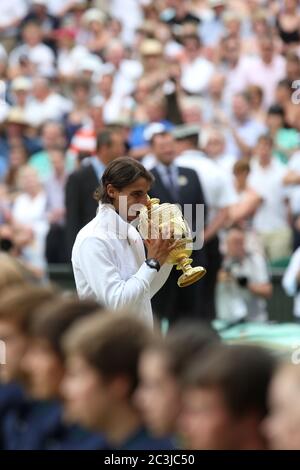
<point>243,282</point>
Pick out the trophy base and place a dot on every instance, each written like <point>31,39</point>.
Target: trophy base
<point>192,275</point>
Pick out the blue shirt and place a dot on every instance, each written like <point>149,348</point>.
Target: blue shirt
<point>142,440</point>
<point>39,425</point>
<point>98,166</point>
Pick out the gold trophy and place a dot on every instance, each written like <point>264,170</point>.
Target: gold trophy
<point>168,219</point>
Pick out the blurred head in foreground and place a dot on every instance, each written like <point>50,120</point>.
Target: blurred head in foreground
<point>225,399</point>
<point>282,426</point>
<point>161,366</point>
<point>102,361</point>
<point>43,362</point>
<point>16,309</point>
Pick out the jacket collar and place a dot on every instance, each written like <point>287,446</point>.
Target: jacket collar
<point>111,221</point>
<point>118,228</point>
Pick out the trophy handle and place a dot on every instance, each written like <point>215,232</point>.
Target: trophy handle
<point>152,201</point>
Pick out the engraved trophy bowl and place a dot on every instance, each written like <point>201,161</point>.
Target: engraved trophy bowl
<point>156,218</point>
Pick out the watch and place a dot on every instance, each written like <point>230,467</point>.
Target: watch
<point>153,264</point>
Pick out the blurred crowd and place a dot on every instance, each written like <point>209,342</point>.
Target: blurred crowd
<point>76,376</point>
<point>206,85</point>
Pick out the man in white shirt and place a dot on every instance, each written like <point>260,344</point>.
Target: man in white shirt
<point>46,104</point>
<point>271,218</point>
<point>196,70</point>
<point>108,256</point>
<point>244,282</point>
<point>33,49</point>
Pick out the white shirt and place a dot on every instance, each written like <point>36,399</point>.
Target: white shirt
<point>196,75</point>
<point>108,262</point>
<point>12,10</point>
<point>235,302</point>
<point>130,13</point>
<point>56,7</point>
<point>111,108</point>
<point>249,131</point>
<point>215,185</point>
<point>32,212</point>
<point>53,107</point>
<point>268,183</point>
<point>226,161</point>
<point>126,76</point>
<point>69,61</point>
<point>290,283</point>
<point>40,55</point>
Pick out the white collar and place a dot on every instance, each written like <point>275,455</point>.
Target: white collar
<point>119,228</point>
<point>112,221</point>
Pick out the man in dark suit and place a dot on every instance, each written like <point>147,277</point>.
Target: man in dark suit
<point>80,204</point>
<point>175,184</point>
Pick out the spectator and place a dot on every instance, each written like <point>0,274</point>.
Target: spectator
<point>11,14</point>
<point>286,140</point>
<point>161,366</point>
<point>179,13</point>
<point>267,69</point>
<point>215,149</point>
<point>20,89</point>
<point>56,251</point>
<point>281,426</point>
<point>46,103</point>
<point>225,399</point>
<point>243,282</point>
<point>244,130</point>
<point>80,93</point>
<point>212,28</point>
<point>15,407</point>
<point>106,350</point>
<point>179,185</point>
<point>287,23</point>
<point>29,219</point>
<point>247,202</point>
<point>97,35</point>
<point>38,54</point>
<point>43,364</point>
<point>39,13</point>
<point>12,273</point>
<point>126,71</point>
<point>267,179</point>
<point>256,100</point>
<point>218,198</point>
<point>70,54</point>
<point>52,137</point>
<point>196,69</point>
<point>17,158</point>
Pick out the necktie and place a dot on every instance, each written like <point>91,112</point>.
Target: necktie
<point>172,184</point>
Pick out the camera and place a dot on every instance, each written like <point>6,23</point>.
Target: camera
<point>6,244</point>
<point>232,267</point>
